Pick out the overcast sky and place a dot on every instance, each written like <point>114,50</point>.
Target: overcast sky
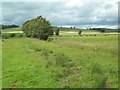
<point>78,13</point>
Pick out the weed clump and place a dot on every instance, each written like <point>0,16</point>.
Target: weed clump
<point>45,53</point>
<point>61,60</point>
<point>96,68</point>
<point>100,75</point>
<point>103,81</point>
<point>37,49</point>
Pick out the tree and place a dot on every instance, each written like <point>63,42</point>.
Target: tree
<point>12,35</point>
<point>79,32</point>
<point>38,28</point>
<point>57,32</point>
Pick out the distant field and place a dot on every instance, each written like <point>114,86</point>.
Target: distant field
<point>85,32</point>
<point>12,30</point>
<point>66,62</point>
<point>63,31</point>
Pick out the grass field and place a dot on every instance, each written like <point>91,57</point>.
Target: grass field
<point>63,31</point>
<point>66,62</point>
<point>0,63</point>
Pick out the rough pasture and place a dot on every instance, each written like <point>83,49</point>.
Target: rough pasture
<point>65,62</point>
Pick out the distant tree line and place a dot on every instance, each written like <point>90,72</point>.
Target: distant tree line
<point>105,29</point>
<point>8,26</point>
<point>38,28</point>
<point>98,29</point>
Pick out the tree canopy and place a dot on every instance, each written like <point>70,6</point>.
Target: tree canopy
<point>38,28</point>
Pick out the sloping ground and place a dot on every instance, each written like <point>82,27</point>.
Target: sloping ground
<point>67,62</point>
<point>24,68</point>
<point>0,63</point>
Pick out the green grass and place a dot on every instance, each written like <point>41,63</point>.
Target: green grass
<point>22,70</point>
<point>65,62</point>
<point>0,63</point>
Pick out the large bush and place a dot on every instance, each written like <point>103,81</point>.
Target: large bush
<point>79,32</point>
<point>38,28</point>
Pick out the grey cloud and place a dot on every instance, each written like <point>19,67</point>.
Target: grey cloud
<point>90,13</point>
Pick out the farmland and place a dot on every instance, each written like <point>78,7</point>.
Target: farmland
<point>68,61</point>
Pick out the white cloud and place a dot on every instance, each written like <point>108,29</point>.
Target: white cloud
<point>74,3</point>
<point>33,0</point>
<point>63,12</point>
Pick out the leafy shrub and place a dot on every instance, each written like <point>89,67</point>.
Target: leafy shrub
<point>79,32</point>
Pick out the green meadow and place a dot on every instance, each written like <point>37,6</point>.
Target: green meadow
<point>67,61</point>
<point>0,63</point>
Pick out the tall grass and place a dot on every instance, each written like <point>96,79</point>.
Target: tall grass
<point>69,62</point>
